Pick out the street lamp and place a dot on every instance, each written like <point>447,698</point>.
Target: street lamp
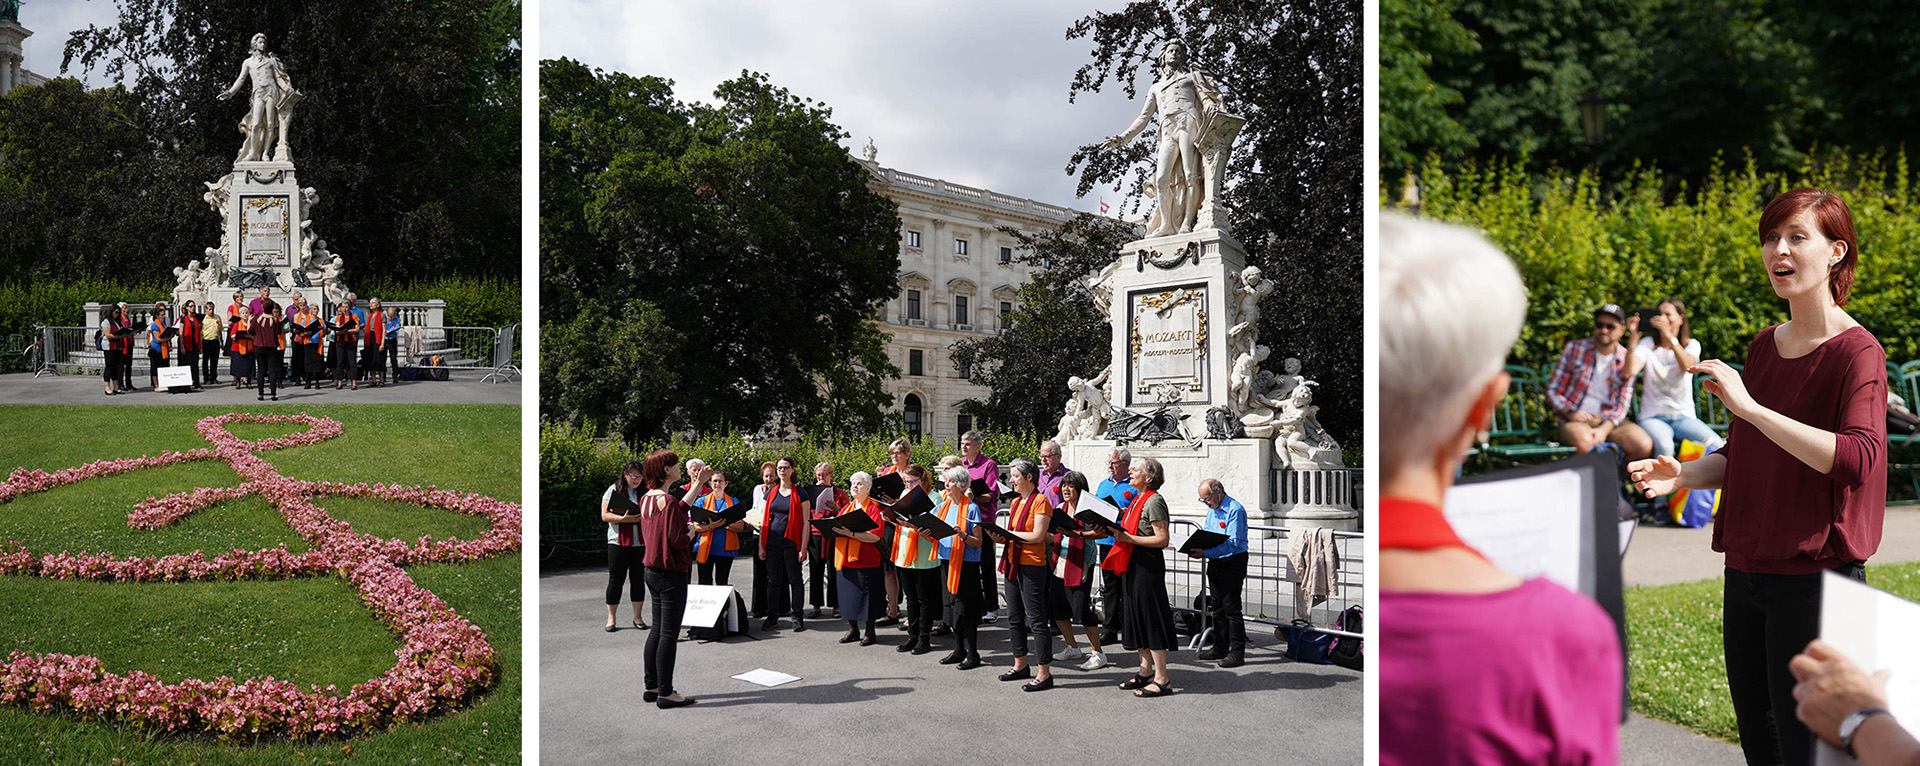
<point>1593,119</point>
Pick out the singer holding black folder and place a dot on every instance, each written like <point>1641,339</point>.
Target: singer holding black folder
<point>827,501</point>
<point>1226,574</point>
<point>624,547</point>
<point>916,563</point>
<point>857,560</point>
<point>784,532</point>
<point>1026,562</point>
<point>959,577</point>
<point>716,544</point>
<point>1078,572</point>
<point>1138,546</point>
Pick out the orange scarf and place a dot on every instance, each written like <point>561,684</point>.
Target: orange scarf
<point>1122,553</point>
<point>1020,521</point>
<point>711,502</point>
<point>907,540</point>
<point>957,552</point>
<point>847,550</point>
<point>242,338</point>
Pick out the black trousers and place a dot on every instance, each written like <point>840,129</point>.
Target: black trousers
<point>210,361</point>
<point>1113,597</point>
<point>267,371</point>
<point>989,578</point>
<point>922,589</point>
<point>759,587</point>
<point>190,359</point>
<point>343,369</point>
<point>1224,580</point>
<point>110,372</point>
<point>786,591</point>
<point>820,576</point>
<point>1769,619</point>
<point>669,602</point>
<point>714,572</point>
<point>126,368</point>
<point>623,567</point>
<point>308,368</point>
<point>1028,611</point>
<point>154,362</point>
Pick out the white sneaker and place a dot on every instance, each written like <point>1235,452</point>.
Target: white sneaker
<point>991,616</point>
<point>1069,654</point>
<point>1095,661</point>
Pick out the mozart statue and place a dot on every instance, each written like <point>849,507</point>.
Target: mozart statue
<point>271,113</point>
<point>1195,137</point>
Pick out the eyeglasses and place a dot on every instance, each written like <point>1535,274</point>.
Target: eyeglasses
<point>1608,326</point>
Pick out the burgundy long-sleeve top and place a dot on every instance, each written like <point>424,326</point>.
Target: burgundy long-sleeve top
<point>663,527</point>
<point>1777,514</point>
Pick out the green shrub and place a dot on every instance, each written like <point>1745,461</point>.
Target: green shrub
<point>471,301</point>
<point>575,468</point>
<point>25,304</point>
<point>1632,240</point>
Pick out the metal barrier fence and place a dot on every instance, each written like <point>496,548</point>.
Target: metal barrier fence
<point>506,356</point>
<point>70,350</point>
<point>1267,596</point>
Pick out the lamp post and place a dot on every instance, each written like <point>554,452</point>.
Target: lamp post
<point>1593,120</point>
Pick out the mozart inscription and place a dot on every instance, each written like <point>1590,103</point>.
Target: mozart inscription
<point>264,226</point>
<point>1168,343</point>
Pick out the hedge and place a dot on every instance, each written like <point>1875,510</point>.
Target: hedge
<point>1636,238</point>
<point>575,468</point>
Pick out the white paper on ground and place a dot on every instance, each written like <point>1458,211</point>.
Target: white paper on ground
<point>1527,527</point>
<point>1876,630</point>
<point>704,603</point>
<point>765,677</point>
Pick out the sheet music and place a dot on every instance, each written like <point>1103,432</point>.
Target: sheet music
<point>1876,630</point>
<point>765,677</point>
<point>1527,526</point>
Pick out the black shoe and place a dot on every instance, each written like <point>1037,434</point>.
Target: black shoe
<point>850,637</point>
<point>276,397</point>
<point>953,658</point>
<point>814,612</point>
<point>885,621</point>
<point>640,626</point>
<point>870,640</point>
<point>1215,652</point>
<point>1110,639</point>
<point>667,704</point>
<point>906,647</point>
<point>767,624</point>
<point>649,696</point>
<point>799,625</point>
<point>612,628</point>
<point>1038,686</point>
<point>1235,658</point>
<point>972,661</point>
<point>924,647</point>
<point>1018,675</point>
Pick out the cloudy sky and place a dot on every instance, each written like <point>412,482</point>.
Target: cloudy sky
<point>51,21</point>
<point>974,93</point>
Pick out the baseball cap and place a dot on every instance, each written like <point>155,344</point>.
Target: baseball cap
<point>1611,308</point>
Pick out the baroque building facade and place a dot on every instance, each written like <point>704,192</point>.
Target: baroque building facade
<point>958,279</point>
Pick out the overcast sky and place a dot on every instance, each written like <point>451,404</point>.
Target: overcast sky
<point>974,93</point>
<point>51,21</point>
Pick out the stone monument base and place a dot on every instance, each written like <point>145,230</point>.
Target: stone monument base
<point>1243,465</point>
<point>1316,497</point>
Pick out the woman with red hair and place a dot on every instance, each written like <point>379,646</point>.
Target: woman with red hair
<point>664,520</point>
<point>1803,476</point>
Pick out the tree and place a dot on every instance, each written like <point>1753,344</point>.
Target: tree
<point>744,222</point>
<point>409,130</point>
<point>1293,69</point>
<point>1054,332</point>
<point>1415,35</point>
<point>611,368</point>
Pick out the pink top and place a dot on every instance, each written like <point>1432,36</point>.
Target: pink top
<point>664,529</point>
<point>1529,675</point>
<point>1777,514</point>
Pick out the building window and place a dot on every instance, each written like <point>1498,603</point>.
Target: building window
<point>965,425</point>
<point>916,362</point>
<point>959,247</point>
<point>913,239</point>
<point>1006,310</point>
<point>911,414</point>
<point>913,304</point>
<point>960,315</point>
<point>1006,255</point>
<point>965,370</point>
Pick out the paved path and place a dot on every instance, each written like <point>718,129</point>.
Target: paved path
<point>21,388</point>
<point>1666,555</point>
<point>874,705</point>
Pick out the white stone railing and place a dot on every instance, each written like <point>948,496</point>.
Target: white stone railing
<point>970,194</point>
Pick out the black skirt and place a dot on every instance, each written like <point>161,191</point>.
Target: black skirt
<point>969,602</point>
<point>1147,622</point>
<point>858,601</point>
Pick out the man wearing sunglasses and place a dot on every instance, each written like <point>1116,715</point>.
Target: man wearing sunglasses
<point>1589,389</point>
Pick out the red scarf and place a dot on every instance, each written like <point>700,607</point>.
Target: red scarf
<point>850,552</point>
<point>189,332</point>
<point>1414,525</point>
<point>1122,553</point>
<point>712,502</point>
<point>376,330</point>
<point>1021,520</point>
<point>796,518</point>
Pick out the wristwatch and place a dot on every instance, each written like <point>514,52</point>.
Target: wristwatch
<point>1852,723</point>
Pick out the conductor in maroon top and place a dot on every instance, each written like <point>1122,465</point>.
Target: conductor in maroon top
<point>1803,476</point>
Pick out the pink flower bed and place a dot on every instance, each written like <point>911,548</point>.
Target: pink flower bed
<point>443,659</point>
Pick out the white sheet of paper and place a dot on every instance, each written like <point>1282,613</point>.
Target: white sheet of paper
<point>1528,526</point>
<point>704,603</point>
<point>1876,630</point>
<point>765,677</point>
<point>1098,505</point>
<point>175,376</point>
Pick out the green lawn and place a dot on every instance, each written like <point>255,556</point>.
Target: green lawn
<point>1673,633</point>
<point>310,631</point>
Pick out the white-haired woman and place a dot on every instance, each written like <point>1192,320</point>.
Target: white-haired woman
<point>857,560</point>
<point>1456,684</point>
<point>960,577</point>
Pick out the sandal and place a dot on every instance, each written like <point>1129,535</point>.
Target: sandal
<point>1136,682</point>
<point>1154,689</point>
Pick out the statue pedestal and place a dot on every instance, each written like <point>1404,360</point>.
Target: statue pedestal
<point>1170,318</point>
<point>262,213</point>
<point>1244,466</point>
<point>1316,497</point>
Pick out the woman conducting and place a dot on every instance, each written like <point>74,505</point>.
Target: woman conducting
<point>1803,477</point>
<point>663,528</point>
<point>856,559</point>
<point>625,548</point>
<point>1457,684</point>
<point>1028,567</point>
<point>1138,554</point>
<point>784,532</point>
<point>960,577</point>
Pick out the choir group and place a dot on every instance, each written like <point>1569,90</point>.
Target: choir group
<point>1041,538</point>
<point>350,345</point>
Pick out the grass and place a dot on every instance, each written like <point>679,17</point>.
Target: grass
<point>1677,668</point>
<point>311,631</point>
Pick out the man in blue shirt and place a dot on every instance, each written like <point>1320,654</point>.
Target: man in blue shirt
<point>1114,489</point>
<point>1226,573</point>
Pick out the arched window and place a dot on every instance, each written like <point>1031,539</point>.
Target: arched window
<point>911,414</point>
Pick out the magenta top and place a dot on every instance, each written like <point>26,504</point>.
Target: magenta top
<point>1778,515</point>
<point>1526,675</point>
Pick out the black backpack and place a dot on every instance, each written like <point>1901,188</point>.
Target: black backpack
<point>1349,652</point>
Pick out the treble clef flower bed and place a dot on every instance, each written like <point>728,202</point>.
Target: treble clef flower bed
<point>443,660</point>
